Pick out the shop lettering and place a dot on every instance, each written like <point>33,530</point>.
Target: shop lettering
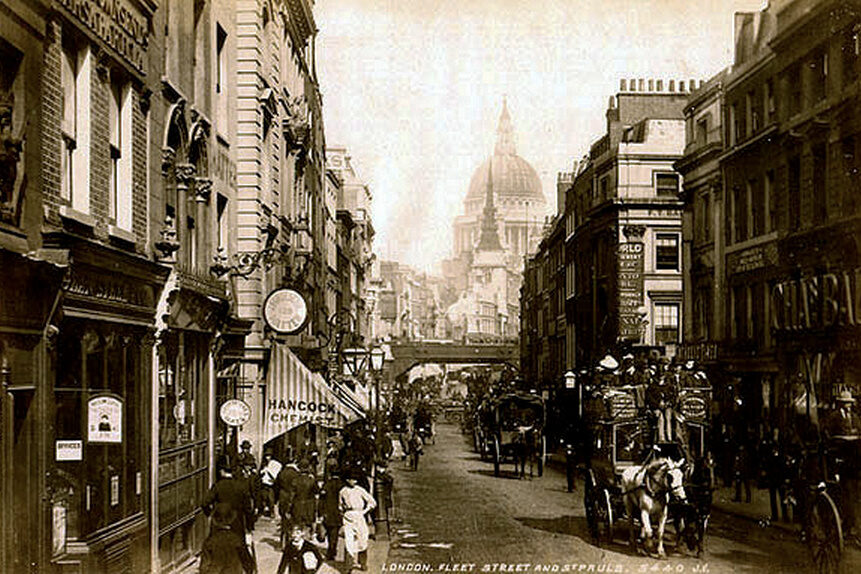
<point>294,405</point>
<point>817,302</point>
<point>115,24</point>
<point>293,419</point>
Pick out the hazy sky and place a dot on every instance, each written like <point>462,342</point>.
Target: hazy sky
<point>414,88</point>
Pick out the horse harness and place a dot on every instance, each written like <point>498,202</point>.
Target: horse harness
<point>644,484</point>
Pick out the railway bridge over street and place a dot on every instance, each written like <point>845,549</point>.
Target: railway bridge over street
<point>406,355</point>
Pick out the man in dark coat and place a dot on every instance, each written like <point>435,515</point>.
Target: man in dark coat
<point>285,491</point>
<point>329,511</point>
<point>224,550</point>
<point>304,499</point>
<point>234,492</point>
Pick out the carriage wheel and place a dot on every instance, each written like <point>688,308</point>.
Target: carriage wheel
<point>825,534</point>
<point>496,456</point>
<point>589,504</point>
<point>542,456</point>
<point>603,517</point>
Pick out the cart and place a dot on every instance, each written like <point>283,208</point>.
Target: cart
<point>819,470</point>
<point>514,418</point>
<point>621,436</point>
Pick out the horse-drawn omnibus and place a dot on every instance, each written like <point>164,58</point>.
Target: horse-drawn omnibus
<point>515,431</point>
<point>630,475</point>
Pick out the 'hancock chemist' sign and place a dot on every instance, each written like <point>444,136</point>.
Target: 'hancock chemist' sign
<point>105,419</point>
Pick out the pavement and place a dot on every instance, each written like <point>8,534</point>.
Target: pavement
<point>267,549</point>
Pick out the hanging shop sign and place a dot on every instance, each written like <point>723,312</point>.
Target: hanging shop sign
<point>285,311</point>
<point>105,419</point>
<point>235,412</point>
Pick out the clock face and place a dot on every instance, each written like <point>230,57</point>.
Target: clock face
<point>285,311</point>
<point>235,412</point>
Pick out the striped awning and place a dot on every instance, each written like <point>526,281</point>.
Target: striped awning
<point>295,395</point>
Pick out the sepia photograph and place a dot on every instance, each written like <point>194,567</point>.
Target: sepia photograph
<point>488,286</point>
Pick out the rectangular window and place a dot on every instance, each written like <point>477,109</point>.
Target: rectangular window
<point>758,320</point>
<point>793,192</point>
<point>793,89</point>
<point>667,251</point>
<point>221,76</point>
<point>818,65</point>
<point>667,184</point>
<point>739,205</point>
<point>703,131</point>
<point>757,199</point>
<point>733,125</point>
<point>769,102</point>
<point>770,202</point>
<point>850,52</point>
<point>739,312</point>
<point>102,487</point>
<point>222,221</point>
<point>115,128</point>
<point>749,115</point>
<point>666,316</point>
<point>707,216</point>
<point>68,126</point>
<point>820,190</point>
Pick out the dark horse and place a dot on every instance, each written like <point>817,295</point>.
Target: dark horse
<point>524,447</point>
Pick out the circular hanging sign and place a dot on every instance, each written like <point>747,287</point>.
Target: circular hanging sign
<point>285,311</point>
<point>235,412</point>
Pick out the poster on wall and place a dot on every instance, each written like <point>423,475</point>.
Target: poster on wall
<point>105,419</point>
<point>58,530</point>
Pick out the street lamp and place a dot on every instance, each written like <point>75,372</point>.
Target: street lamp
<point>570,383</point>
<point>354,360</point>
<point>377,359</point>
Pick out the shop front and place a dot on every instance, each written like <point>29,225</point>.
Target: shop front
<point>101,365</point>
<point>300,409</point>
<point>25,343</point>
<point>196,308</point>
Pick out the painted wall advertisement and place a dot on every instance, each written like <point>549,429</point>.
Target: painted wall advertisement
<point>105,419</point>
<point>630,283</point>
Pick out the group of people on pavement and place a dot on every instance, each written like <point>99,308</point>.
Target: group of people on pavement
<point>317,501</point>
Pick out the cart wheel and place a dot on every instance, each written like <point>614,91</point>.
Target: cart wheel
<point>542,456</point>
<point>603,517</point>
<point>825,534</point>
<point>496,456</point>
<point>589,504</point>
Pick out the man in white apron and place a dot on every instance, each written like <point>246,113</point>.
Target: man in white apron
<point>356,503</point>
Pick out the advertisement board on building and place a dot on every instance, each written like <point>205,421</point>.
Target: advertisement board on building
<point>630,288</point>
<point>105,419</point>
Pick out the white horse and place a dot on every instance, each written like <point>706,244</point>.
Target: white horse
<point>647,490</point>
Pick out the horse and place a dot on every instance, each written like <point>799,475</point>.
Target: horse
<point>647,490</point>
<point>523,447</point>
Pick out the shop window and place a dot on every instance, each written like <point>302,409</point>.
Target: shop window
<point>739,312</point>
<point>106,485</point>
<point>666,317</point>
<point>667,184</point>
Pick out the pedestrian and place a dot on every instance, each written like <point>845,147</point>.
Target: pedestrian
<point>235,492</point>
<point>775,473</point>
<point>570,463</point>
<point>355,503</point>
<point>415,450</point>
<point>330,512</point>
<point>245,461</point>
<point>305,493</point>
<point>285,492</point>
<point>741,473</point>
<point>300,555</point>
<point>224,550</point>
<point>269,469</point>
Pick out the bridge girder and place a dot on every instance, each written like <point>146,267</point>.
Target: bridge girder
<point>408,355</point>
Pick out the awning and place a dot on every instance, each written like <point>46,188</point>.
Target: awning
<point>295,395</point>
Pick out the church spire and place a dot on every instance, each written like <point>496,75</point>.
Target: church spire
<point>504,133</point>
<point>489,238</point>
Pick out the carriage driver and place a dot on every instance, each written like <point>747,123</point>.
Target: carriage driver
<point>843,431</point>
<point>661,400</point>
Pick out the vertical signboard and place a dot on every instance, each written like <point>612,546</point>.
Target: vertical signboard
<point>630,283</point>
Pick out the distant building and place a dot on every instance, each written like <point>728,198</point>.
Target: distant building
<point>504,201</point>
